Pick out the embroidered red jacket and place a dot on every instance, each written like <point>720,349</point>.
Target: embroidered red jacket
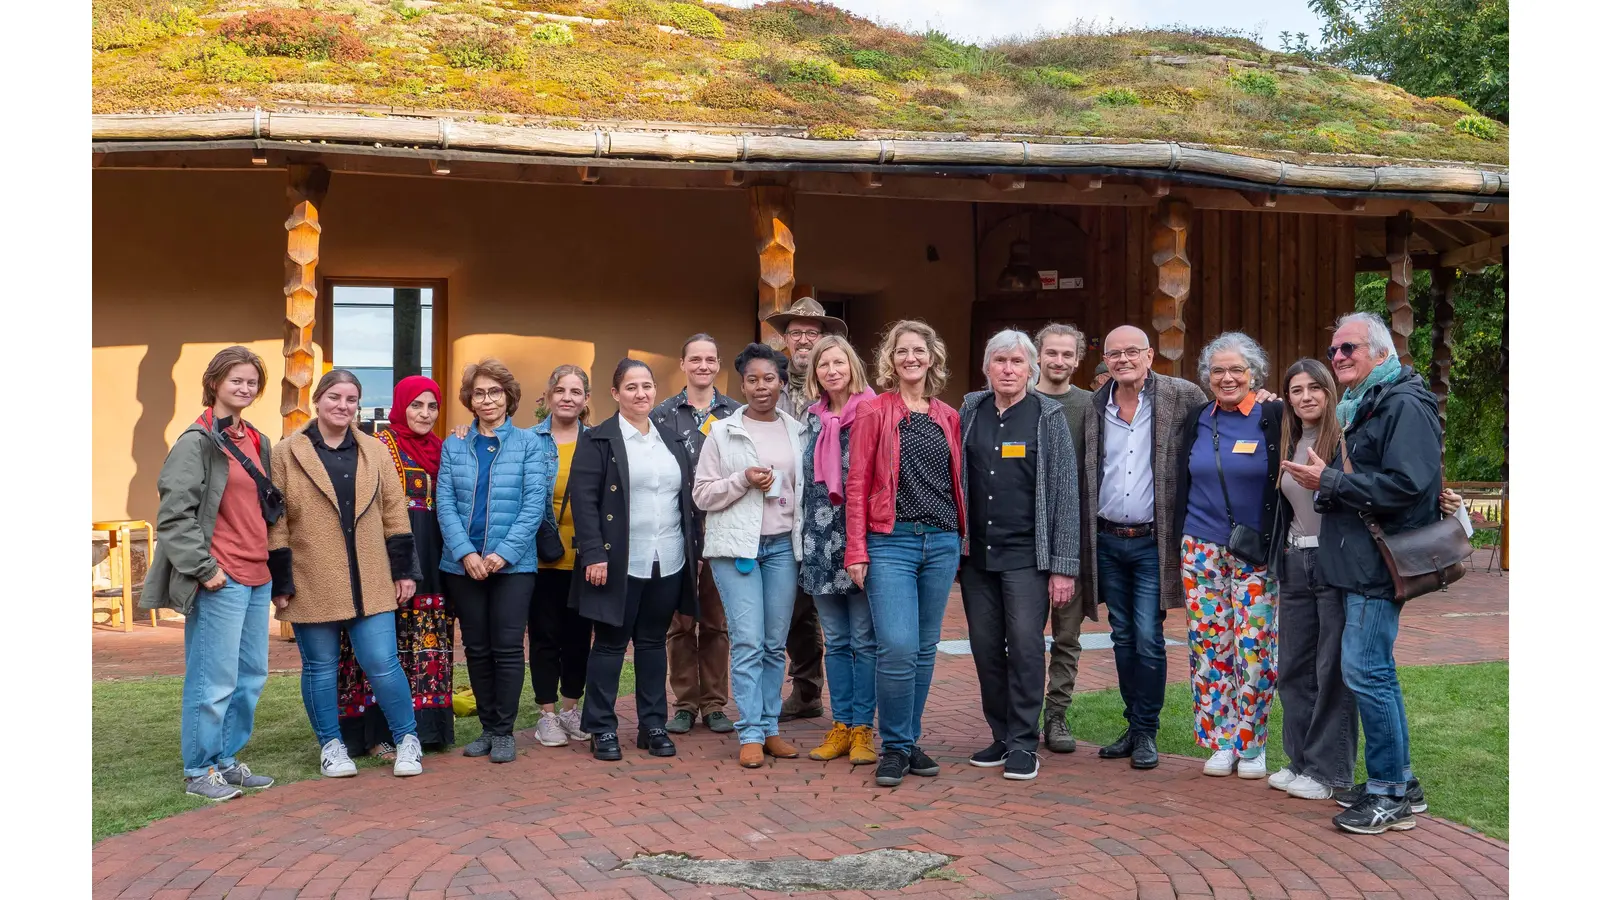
<point>869,495</point>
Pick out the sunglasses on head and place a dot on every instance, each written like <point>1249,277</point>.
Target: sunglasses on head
<point>1348,348</point>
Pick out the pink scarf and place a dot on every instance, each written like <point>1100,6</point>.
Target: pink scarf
<point>827,460</point>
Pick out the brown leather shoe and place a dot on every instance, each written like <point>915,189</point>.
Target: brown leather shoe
<point>751,756</point>
<point>781,748</point>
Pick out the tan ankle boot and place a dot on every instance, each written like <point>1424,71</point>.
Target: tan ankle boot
<point>835,745</point>
<point>751,756</point>
<point>782,749</point>
<point>861,752</point>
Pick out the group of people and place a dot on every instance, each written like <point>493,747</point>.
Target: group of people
<point>825,518</point>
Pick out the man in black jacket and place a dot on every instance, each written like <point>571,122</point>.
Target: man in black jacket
<point>1392,435</point>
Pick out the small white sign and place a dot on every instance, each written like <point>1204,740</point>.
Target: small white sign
<point>1048,280</point>
<point>1068,284</point>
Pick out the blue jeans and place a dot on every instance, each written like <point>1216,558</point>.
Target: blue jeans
<point>1130,585</point>
<point>909,576</point>
<point>759,604</point>
<point>224,670</point>
<point>1370,627</point>
<point>373,640</point>
<point>851,656</point>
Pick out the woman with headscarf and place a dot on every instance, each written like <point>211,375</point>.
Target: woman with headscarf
<point>425,629</point>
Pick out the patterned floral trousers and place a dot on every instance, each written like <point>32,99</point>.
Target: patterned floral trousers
<point>1233,646</point>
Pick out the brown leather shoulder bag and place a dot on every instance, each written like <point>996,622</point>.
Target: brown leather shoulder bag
<point>1429,559</point>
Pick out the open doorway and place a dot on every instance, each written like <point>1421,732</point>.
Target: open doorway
<point>383,330</point>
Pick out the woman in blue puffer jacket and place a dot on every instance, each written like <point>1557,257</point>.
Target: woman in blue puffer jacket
<point>494,486</point>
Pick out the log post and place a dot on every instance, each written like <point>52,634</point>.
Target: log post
<point>1169,244</point>
<point>772,207</point>
<point>1505,434</point>
<point>308,185</point>
<point>1442,292</point>
<point>1398,292</point>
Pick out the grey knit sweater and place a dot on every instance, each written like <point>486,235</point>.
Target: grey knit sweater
<point>1055,506</point>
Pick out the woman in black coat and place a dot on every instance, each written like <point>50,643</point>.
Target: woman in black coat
<point>633,517</point>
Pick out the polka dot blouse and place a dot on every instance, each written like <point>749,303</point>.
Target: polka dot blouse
<point>926,493</point>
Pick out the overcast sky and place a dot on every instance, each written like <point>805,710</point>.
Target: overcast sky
<point>979,20</point>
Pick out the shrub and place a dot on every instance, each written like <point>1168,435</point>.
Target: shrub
<point>968,59</point>
<point>555,33</point>
<point>635,34</point>
<point>139,24</point>
<point>1050,76</point>
<point>1481,127</point>
<point>816,71</point>
<point>889,65</point>
<point>697,20</point>
<point>728,93</point>
<point>1453,105</point>
<point>297,33</point>
<point>1117,96</point>
<point>741,50</point>
<point>405,11</point>
<point>482,48</point>
<point>218,61</point>
<point>1338,137</point>
<point>634,11</point>
<point>833,133</point>
<point>1255,82</point>
<point>936,96</point>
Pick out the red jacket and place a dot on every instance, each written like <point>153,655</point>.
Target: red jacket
<point>869,493</point>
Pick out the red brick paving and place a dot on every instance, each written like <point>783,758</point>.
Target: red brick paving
<point>557,823</point>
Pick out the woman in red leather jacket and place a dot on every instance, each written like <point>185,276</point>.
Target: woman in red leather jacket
<point>904,523</point>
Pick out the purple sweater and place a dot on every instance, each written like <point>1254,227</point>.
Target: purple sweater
<point>1207,517</point>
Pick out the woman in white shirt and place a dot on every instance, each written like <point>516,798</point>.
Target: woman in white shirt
<point>638,547</point>
<point>746,483</point>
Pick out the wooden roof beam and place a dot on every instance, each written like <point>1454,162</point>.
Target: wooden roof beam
<point>1439,239</point>
<point>1084,182</point>
<point>870,180</point>
<point>1155,188</point>
<point>1348,204</point>
<point>1007,182</point>
<point>1260,200</point>
<point>1481,253</point>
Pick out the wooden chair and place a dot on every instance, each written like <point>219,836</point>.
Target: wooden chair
<point>1485,502</point>
<point>119,534</point>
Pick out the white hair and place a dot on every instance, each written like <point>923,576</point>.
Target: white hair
<point>1012,339</point>
<point>1379,341</point>
<point>1242,344</point>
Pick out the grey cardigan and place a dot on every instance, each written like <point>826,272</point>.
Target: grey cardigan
<point>1055,507</point>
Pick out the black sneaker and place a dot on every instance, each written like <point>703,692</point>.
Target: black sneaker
<point>719,722</point>
<point>921,763</point>
<point>990,756</point>
<point>1022,765</point>
<point>1353,796</point>
<point>656,741</point>
<point>681,722</point>
<point>1121,748</point>
<point>1375,814</point>
<point>892,766</point>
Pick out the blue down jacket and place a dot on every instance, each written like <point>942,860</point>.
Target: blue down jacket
<point>520,481</point>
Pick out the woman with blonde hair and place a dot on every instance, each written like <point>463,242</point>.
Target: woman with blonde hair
<point>904,523</point>
<point>836,384</point>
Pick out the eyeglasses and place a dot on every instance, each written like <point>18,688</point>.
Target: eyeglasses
<point>903,352</point>
<point>492,395</point>
<point>1348,348</point>
<point>1131,353</point>
<point>803,334</point>
<point>1235,371</point>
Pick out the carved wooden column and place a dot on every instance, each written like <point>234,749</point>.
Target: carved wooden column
<point>1398,292</point>
<point>308,185</point>
<point>1442,293</point>
<point>1169,243</point>
<point>773,209</point>
<point>1505,435</point>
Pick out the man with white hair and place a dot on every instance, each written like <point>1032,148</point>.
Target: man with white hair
<point>1020,481</point>
<point>1390,475</point>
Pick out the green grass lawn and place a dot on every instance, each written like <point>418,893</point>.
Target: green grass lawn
<point>138,774</point>
<point>1460,737</point>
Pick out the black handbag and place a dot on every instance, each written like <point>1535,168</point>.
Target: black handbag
<point>271,498</point>
<point>548,541</point>
<point>1244,542</point>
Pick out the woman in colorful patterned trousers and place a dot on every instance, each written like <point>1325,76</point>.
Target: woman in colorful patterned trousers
<point>1227,508</point>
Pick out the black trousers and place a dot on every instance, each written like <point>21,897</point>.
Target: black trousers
<point>1006,615</point>
<point>494,617</point>
<point>1319,718</point>
<point>645,618</point>
<point>558,639</point>
<point>805,650</point>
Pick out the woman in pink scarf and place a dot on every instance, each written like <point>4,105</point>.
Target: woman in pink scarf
<point>837,383</point>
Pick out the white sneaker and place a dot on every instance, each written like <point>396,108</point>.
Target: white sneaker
<point>1307,788</point>
<point>572,723</point>
<point>1221,763</point>
<point>1280,779</point>
<point>336,760</point>
<point>408,757</point>
<point>1253,768</point>
<point>549,731</point>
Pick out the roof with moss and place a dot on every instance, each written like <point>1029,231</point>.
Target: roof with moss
<point>790,64</point>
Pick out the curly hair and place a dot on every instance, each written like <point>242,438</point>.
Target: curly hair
<point>496,371</point>
<point>938,363</point>
<point>222,364</point>
<point>756,351</point>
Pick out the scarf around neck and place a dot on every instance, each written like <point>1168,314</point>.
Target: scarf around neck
<point>828,462</point>
<point>1386,372</point>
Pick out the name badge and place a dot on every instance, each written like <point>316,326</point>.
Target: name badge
<point>705,427</point>
<point>1013,450</point>
<point>1244,446</point>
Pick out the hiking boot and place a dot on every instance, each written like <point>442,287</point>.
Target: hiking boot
<point>211,787</point>
<point>241,775</point>
<point>605,747</point>
<point>681,722</point>
<point>571,722</point>
<point>861,752</point>
<point>752,755</point>
<point>921,763</point>
<point>549,731</point>
<point>719,722</point>
<point>1058,736</point>
<point>1252,768</point>
<point>1221,763</point>
<point>892,766</point>
<point>780,748</point>
<point>1121,748</point>
<point>1353,796</point>
<point>1375,814</point>
<point>990,757</point>
<point>336,760</point>
<point>408,757</point>
<point>478,747</point>
<point>657,743</point>
<point>834,745</point>
<point>1281,779</point>
<point>502,748</point>
<point>1022,765</point>
<point>1144,752</point>
<point>795,708</point>
<point>1307,788</point>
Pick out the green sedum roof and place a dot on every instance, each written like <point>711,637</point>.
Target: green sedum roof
<point>790,63</point>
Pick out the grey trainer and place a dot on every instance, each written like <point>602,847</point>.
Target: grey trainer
<point>502,748</point>
<point>1057,735</point>
<point>241,775</point>
<point>211,786</point>
<point>478,747</point>
<point>571,721</point>
<point>549,731</point>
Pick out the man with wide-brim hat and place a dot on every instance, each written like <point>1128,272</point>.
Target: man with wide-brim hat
<point>800,327</point>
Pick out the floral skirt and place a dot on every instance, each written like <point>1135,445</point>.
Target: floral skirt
<point>425,637</point>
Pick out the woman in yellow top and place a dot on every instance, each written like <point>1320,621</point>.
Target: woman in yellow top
<point>559,638</point>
